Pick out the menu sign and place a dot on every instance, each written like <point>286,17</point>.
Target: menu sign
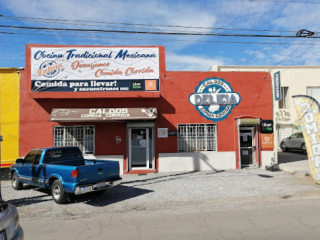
<point>81,69</point>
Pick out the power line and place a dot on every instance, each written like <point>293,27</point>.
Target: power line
<point>81,22</point>
<point>145,39</point>
<point>153,32</point>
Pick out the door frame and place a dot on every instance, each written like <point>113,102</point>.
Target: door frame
<point>255,145</point>
<point>148,126</point>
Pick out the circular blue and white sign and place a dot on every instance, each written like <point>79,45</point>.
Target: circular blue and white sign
<point>49,69</point>
<point>214,99</point>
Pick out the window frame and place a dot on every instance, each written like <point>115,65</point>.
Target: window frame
<point>84,144</point>
<point>284,101</point>
<point>309,92</point>
<point>37,157</point>
<point>197,139</point>
<point>32,155</point>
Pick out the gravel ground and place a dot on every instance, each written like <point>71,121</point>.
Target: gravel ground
<point>170,192</point>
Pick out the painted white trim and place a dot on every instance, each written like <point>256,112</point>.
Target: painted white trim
<point>196,161</point>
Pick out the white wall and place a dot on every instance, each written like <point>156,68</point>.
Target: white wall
<point>196,161</point>
<point>267,157</point>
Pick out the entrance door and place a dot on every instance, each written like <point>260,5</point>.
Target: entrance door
<point>141,152</point>
<point>247,146</point>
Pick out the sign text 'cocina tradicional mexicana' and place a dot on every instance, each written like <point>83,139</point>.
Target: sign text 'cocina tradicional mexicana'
<point>94,69</point>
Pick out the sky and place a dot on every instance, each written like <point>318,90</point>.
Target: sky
<point>183,52</point>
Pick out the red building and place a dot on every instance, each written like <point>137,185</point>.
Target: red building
<point>120,103</point>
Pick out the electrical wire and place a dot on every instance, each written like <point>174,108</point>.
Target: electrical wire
<point>153,39</point>
<point>152,32</point>
<point>76,22</point>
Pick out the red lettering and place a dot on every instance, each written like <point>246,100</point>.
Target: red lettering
<point>75,65</point>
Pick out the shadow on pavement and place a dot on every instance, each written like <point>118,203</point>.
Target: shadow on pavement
<point>110,196</point>
<point>98,199</point>
<point>29,200</point>
<point>165,178</point>
<point>265,176</point>
<point>285,157</point>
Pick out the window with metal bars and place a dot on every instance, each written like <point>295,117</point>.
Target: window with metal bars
<point>197,137</point>
<point>78,136</point>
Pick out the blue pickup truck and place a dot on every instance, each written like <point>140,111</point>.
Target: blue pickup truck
<point>64,171</point>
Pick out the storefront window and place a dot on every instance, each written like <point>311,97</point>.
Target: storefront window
<point>78,136</point>
<point>197,137</point>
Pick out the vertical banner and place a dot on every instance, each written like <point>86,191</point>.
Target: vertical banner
<point>308,115</point>
<point>277,86</point>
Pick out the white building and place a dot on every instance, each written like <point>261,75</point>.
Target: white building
<point>295,80</point>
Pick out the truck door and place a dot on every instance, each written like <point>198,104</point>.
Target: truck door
<point>26,170</point>
<point>38,176</point>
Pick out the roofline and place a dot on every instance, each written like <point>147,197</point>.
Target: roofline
<point>12,68</point>
<point>263,67</point>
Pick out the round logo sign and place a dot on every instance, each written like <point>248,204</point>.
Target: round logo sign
<point>214,99</point>
<point>49,69</point>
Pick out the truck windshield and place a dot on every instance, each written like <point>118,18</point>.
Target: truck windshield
<point>62,154</point>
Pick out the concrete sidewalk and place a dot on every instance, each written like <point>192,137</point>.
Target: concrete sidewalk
<point>296,167</point>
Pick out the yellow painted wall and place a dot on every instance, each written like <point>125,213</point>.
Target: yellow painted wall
<point>9,115</point>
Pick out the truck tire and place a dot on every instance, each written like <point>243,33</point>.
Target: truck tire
<point>57,192</point>
<point>16,184</point>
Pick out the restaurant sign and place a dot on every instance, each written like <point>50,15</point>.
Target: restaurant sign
<point>94,69</point>
<point>102,114</point>
<point>214,99</point>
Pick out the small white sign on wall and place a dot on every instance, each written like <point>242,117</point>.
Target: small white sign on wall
<point>162,132</point>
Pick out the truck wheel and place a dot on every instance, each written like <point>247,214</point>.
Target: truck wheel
<point>16,184</point>
<point>57,192</point>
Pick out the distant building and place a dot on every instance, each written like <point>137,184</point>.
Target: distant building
<point>294,80</point>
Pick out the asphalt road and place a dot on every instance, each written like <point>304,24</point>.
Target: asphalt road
<point>290,219</point>
<point>235,204</point>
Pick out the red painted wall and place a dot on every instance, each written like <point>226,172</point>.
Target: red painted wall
<point>172,103</point>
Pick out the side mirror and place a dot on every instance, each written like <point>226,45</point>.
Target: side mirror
<point>20,160</point>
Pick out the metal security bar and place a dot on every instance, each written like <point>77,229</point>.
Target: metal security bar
<point>78,136</point>
<point>197,137</point>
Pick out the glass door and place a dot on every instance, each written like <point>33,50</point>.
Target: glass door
<point>141,148</point>
<point>247,146</point>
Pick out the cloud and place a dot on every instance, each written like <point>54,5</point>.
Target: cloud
<point>242,13</point>
<point>138,11</point>
<point>176,62</point>
<point>299,16</point>
<point>297,55</point>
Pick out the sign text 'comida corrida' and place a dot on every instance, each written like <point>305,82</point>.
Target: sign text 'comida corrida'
<point>82,69</point>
